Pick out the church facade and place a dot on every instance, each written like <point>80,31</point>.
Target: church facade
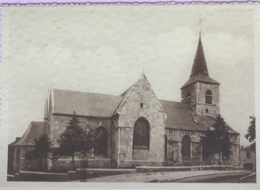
<point>139,129</point>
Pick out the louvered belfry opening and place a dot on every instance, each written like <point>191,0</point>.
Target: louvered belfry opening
<point>188,98</point>
<point>141,139</point>
<point>208,97</point>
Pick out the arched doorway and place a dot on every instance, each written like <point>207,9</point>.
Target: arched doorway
<point>185,148</point>
<point>101,146</point>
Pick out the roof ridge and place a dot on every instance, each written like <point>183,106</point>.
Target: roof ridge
<point>24,136</point>
<point>125,95</point>
<point>87,92</point>
<point>169,101</point>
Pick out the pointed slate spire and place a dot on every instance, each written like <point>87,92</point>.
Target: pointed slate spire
<point>199,71</point>
<point>199,67</point>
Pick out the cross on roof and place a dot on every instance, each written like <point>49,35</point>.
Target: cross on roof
<point>200,21</point>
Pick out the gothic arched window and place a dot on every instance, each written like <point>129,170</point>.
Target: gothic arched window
<point>185,147</point>
<point>188,98</point>
<point>208,97</point>
<point>101,146</point>
<point>141,139</point>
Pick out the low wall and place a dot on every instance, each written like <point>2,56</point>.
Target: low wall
<point>183,168</point>
<point>70,175</point>
<point>95,172</point>
<point>98,172</point>
<point>66,164</point>
<point>40,176</point>
<point>136,163</point>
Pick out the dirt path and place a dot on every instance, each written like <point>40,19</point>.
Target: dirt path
<point>160,176</point>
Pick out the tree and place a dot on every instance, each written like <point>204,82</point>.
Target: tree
<point>217,139</point>
<point>74,139</point>
<point>88,140</point>
<point>41,149</point>
<point>70,139</point>
<point>251,130</point>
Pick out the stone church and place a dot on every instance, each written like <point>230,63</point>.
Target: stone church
<point>139,129</point>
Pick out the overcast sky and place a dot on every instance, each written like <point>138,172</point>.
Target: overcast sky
<point>104,49</point>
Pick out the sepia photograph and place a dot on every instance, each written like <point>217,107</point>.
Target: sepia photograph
<point>139,93</point>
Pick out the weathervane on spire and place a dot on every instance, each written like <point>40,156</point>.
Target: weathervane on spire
<point>200,21</point>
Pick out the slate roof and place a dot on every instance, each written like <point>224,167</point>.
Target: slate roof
<point>199,71</point>
<point>84,103</point>
<point>199,66</point>
<point>35,130</point>
<point>180,116</point>
<point>201,78</point>
<point>123,97</point>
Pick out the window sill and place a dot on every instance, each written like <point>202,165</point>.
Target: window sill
<point>141,147</point>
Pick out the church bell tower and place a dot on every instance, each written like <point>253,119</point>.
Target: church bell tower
<point>201,92</point>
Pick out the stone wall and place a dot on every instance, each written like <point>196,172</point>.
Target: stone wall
<point>198,91</point>
<point>141,102</point>
<point>65,164</point>
<point>174,145</point>
<point>234,157</point>
<point>235,148</point>
<point>21,163</point>
<point>213,109</point>
<point>192,89</point>
<point>58,124</point>
<point>114,141</point>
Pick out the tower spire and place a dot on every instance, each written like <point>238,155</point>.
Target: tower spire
<point>199,67</point>
<point>199,71</point>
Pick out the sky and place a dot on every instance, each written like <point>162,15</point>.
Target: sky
<point>105,49</point>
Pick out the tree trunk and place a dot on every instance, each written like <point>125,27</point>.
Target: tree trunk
<point>40,162</point>
<point>86,169</point>
<point>73,164</point>
<point>40,157</point>
<point>218,158</point>
<point>83,168</point>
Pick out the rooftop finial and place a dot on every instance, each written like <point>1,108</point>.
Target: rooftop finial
<point>200,21</point>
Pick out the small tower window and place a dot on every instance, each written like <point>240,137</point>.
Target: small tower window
<point>142,105</point>
<point>188,99</point>
<point>208,97</point>
<point>207,111</point>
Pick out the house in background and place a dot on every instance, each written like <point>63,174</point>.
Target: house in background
<point>248,157</point>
